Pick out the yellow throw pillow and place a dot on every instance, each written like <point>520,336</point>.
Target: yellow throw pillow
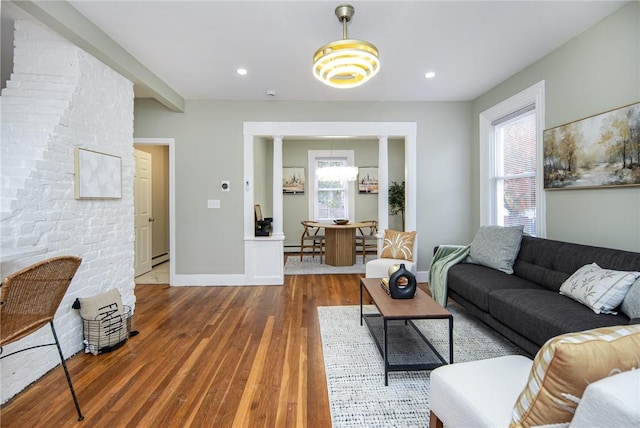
<point>398,245</point>
<point>566,364</point>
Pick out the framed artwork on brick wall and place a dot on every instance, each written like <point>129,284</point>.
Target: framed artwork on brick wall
<point>97,175</point>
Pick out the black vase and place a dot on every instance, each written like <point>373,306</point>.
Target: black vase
<point>402,284</point>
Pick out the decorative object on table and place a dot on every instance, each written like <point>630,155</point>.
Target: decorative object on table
<point>598,151</point>
<point>402,283</point>
<point>368,179</point>
<point>341,221</point>
<point>396,199</point>
<point>97,175</point>
<point>293,180</point>
<point>345,63</point>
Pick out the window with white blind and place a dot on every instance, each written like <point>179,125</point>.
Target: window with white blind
<point>514,174</point>
<point>511,148</point>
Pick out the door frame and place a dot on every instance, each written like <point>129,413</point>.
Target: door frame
<point>263,255</point>
<point>170,142</point>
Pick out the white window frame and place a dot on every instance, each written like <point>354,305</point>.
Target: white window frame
<point>532,95</point>
<point>349,155</point>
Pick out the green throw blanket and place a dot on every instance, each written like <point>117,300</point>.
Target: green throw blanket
<point>445,257</point>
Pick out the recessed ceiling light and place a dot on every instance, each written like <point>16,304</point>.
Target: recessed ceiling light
<point>242,71</point>
<point>430,74</point>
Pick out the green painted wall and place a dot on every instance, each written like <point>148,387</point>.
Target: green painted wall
<point>209,148</point>
<point>596,71</point>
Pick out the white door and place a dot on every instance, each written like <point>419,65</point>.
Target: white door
<point>143,218</point>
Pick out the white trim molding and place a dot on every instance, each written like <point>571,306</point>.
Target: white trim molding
<point>172,197</point>
<point>532,95</point>
<point>264,249</point>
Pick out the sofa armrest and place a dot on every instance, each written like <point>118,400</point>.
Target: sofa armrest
<point>613,401</point>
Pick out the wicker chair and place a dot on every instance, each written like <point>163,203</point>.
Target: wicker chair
<point>29,299</point>
<point>367,240</point>
<point>311,239</point>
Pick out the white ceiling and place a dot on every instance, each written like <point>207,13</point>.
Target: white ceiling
<point>196,46</point>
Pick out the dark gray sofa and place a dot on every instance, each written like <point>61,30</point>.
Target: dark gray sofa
<point>526,307</point>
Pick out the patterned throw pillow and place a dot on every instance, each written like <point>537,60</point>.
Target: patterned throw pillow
<point>398,245</point>
<point>600,289</point>
<point>566,364</point>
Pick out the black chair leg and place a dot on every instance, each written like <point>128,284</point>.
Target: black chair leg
<point>66,372</point>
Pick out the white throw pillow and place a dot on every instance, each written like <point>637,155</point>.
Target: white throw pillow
<point>496,247</point>
<point>602,290</point>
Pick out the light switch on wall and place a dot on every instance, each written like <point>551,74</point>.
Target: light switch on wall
<point>213,203</point>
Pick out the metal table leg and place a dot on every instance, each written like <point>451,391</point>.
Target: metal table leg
<point>386,370</point>
<point>361,303</point>
<point>451,340</point>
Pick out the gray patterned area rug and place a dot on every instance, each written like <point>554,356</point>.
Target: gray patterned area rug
<point>355,371</point>
<point>311,266</point>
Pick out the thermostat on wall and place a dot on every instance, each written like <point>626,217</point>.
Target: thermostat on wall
<point>225,186</point>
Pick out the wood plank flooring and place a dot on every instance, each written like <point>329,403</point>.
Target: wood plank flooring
<point>205,357</point>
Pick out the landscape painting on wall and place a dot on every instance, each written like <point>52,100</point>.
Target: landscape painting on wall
<point>293,181</point>
<point>599,151</point>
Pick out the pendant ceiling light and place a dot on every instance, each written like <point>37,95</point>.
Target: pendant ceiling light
<point>345,63</point>
<point>340,173</point>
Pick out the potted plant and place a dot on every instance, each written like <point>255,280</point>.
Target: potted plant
<point>396,199</point>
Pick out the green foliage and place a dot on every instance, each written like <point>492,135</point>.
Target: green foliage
<point>396,199</point>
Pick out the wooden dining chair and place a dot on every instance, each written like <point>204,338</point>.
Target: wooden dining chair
<point>29,299</point>
<point>311,238</point>
<point>366,239</point>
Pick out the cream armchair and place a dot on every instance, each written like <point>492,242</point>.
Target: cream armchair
<point>582,379</point>
<point>397,248</point>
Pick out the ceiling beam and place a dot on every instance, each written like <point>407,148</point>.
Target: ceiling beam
<point>63,18</point>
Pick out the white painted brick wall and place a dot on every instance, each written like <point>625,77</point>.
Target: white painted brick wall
<point>60,97</point>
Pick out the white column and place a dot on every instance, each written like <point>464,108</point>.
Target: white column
<point>277,187</point>
<point>383,188</point>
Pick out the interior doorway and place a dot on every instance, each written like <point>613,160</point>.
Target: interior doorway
<point>162,212</point>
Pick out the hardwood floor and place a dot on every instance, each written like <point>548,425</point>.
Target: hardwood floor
<point>205,357</point>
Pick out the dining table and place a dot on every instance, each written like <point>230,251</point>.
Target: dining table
<point>340,242</point>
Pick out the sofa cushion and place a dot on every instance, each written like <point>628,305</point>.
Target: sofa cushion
<point>599,289</point>
<point>541,314</point>
<point>474,283</point>
<point>566,365</point>
<point>549,263</point>
<point>496,247</point>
